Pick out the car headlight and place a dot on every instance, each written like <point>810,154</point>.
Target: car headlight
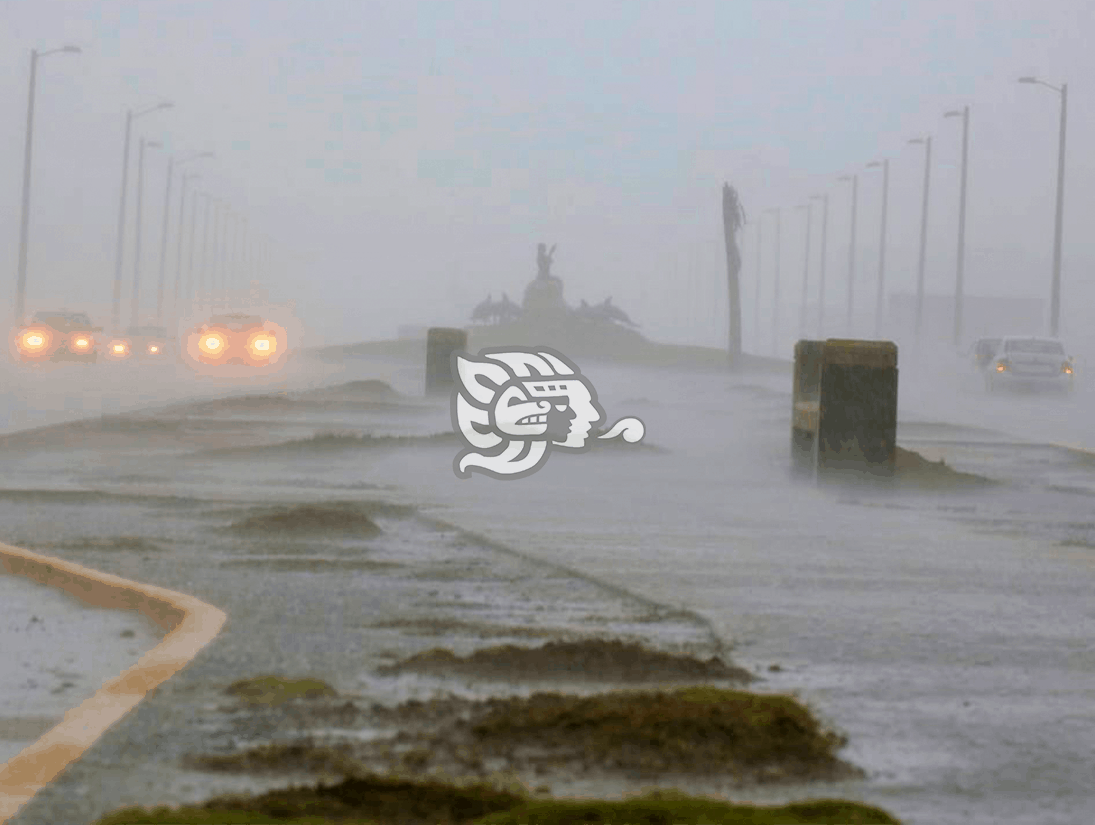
<point>1066,368</point>
<point>33,341</point>
<point>81,342</point>
<point>212,344</point>
<point>119,348</point>
<point>1001,366</point>
<point>261,344</point>
<point>155,349</point>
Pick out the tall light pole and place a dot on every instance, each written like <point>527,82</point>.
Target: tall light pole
<point>851,248</point>
<point>186,178</point>
<point>1055,297</point>
<point>134,310</point>
<point>775,295</point>
<point>958,285</point>
<point>189,292</point>
<point>171,164</point>
<point>759,281</point>
<point>206,198</point>
<point>805,267</point>
<point>130,116</point>
<point>927,141</point>
<point>24,222</point>
<point>824,243</point>
<point>885,164</point>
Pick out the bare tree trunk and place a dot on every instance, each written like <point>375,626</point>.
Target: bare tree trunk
<point>731,222</point>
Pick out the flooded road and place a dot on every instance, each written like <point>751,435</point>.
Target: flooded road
<point>947,633</point>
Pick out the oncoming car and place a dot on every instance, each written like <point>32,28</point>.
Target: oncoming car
<point>140,344</point>
<point>1032,363</point>
<point>236,338</point>
<point>56,336</point>
<point>983,350</point>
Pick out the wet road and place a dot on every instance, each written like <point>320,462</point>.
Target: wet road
<point>948,634</point>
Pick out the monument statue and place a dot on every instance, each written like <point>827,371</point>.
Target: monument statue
<point>544,295</point>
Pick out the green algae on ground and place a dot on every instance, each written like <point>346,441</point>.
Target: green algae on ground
<point>702,729</point>
<point>309,518</point>
<point>274,690</point>
<point>279,757</point>
<point>376,800</point>
<point>609,660</point>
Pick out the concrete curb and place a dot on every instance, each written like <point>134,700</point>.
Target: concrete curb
<point>191,625</point>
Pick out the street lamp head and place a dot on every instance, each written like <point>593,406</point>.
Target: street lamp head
<point>71,49</point>
<point>954,113</point>
<point>917,140</point>
<point>153,144</point>
<point>167,104</point>
<point>873,164</point>
<point>1029,80</point>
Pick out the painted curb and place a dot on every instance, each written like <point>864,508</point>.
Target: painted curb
<point>191,625</point>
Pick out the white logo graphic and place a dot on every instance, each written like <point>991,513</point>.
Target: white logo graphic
<point>512,405</point>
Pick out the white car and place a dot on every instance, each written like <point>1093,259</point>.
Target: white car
<point>1032,363</point>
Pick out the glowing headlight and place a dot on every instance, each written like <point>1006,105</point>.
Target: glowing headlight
<point>1001,366</point>
<point>81,342</point>
<point>153,348</point>
<point>261,345</point>
<point>212,344</point>
<point>1066,369</point>
<point>119,348</point>
<point>34,340</point>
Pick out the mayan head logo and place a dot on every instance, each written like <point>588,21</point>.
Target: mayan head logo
<point>512,406</point>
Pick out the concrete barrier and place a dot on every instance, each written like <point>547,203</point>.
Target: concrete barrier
<point>844,414</point>
<point>191,625</point>
<point>441,342</point>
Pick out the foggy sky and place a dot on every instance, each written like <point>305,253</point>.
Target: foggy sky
<point>406,158</point>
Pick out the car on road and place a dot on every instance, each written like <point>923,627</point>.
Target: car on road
<point>1032,363</point>
<point>147,344</point>
<point>983,350</point>
<point>56,335</point>
<point>236,338</point>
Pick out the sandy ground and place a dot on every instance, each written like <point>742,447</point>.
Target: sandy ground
<point>946,633</point>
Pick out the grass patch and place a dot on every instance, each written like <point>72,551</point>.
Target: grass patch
<point>284,565</point>
<point>309,518</point>
<point>700,729</point>
<point>276,690</point>
<point>386,801</point>
<point>913,469</point>
<point>279,757</point>
<point>590,659</point>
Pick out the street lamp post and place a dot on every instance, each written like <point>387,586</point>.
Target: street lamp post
<point>824,243</point>
<point>130,116</point>
<point>927,141</point>
<point>1055,296</point>
<point>851,247</point>
<point>24,222</point>
<point>958,285</point>
<point>759,281</point>
<point>189,292</point>
<point>805,267</point>
<point>775,295</point>
<point>885,164</point>
<point>186,178</point>
<point>135,308</point>
<point>206,198</point>
<point>171,164</point>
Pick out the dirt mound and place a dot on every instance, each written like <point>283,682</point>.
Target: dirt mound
<point>588,660</point>
<point>913,469</point>
<point>309,518</point>
<point>372,388</point>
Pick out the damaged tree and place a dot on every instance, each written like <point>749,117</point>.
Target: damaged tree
<point>733,218</point>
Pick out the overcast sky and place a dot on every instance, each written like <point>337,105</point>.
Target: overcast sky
<point>405,158</point>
